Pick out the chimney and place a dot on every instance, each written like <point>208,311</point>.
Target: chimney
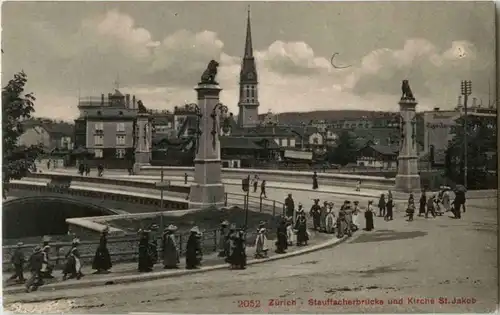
<point>127,100</point>
<point>133,101</point>
<point>474,102</point>
<point>102,99</point>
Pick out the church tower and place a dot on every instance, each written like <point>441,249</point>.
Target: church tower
<point>249,102</point>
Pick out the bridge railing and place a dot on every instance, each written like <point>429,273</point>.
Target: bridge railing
<point>122,249</point>
<point>254,203</point>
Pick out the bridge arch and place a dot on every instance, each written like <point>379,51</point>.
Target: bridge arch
<point>34,216</point>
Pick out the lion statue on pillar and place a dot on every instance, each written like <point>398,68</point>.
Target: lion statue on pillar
<point>209,74</point>
<point>407,94</point>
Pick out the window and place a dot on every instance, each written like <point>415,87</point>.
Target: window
<point>120,153</point>
<point>284,142</point>
<point>315,140</point>
<point>120,140</point>
<point>98,140</point>
<point>253,91</point>
<point>98,126</point>
<point>292,142</point>
<point>98,153</point>
<point>120,127</point>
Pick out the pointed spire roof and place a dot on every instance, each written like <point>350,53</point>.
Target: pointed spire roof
<point>248,73</point>
<point>248,40</point>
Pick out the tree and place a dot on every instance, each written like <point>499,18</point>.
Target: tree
<point>16,107</point>
<point>481,141</point>
<point>345,152</point>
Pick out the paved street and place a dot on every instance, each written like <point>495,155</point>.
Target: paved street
<point>417,262</point>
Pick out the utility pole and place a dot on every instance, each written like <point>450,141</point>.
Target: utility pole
<point>466,90</point>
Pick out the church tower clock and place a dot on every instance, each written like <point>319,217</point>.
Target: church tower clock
<point>248,101</point>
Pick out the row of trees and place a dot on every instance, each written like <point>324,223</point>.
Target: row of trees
<point>17,106</point>
<point>481,153</point>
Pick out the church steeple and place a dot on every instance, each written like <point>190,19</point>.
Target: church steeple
<point>248,71</point>
<point>249,100</point>
<point>248,40</point>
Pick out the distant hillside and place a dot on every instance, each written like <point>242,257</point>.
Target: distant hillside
<point>327,115</point>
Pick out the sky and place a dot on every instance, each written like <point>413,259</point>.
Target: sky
<point>158,51</point>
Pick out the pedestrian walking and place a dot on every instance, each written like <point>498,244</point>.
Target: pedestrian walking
<point>87,170</point>
<point>102,259</point>
<point>322,216</point>
<point>261,248</point>
<point>381,206</point>
<point>430,207</point>
<point>446,200</point>
<point>73,266</point>
<point>223,232</point>
<point>146,258</point>
<point>315,213</point>
<point>17,260</point>
<point>238,257</point>
<point>301,228</point>
<point>35,265</point>
<point>355,216</point>
<point>456,208</point>
<point>358,185</point>
<point>100,170</point>
<point>281,237</point>
<point>194,254</point>
<point>263,189</point>
<point>170,252</point>
<point>389,209</point>
<point>315,180</point>
<point>422,204</point>
<point>255,183</point>
<point>410,209</point>
<point>369,216</point>
<point>290,234</point>
<point>185,178</point>
<point>330,221</point>
<point>289,206</point>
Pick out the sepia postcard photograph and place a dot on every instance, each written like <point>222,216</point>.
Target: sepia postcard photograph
<point>245,157</point>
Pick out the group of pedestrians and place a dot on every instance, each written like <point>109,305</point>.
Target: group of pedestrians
<point>41,267</point>
<point>148,249</point>
<point>437,204</point>
<point>84,169</point>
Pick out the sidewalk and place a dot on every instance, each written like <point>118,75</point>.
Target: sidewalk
<point>127,272</point>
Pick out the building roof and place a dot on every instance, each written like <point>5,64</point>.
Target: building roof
<point>55,129</point>
<point>382,149</point>
<point>239,143</point>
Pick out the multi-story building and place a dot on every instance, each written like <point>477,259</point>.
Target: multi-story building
<point>106,128</point>
<point>52,135</point>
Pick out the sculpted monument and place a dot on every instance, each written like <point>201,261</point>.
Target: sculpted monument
<point>207,188</point>
<point>408,178</point>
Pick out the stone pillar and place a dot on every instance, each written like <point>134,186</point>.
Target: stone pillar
<point>207,188</point>
<point>408,179</point>
<point>143,141</point>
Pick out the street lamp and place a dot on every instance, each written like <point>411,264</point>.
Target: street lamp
<point>193,107</point>
<point>223,110</point>
<point>466,90</point>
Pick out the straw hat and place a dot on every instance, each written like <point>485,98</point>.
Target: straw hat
<point>170,228</point>
<point>46,239</point>
<point>224,223</point>
<point>232,227</point>
<point>19,244</point>
<point>76,240</point>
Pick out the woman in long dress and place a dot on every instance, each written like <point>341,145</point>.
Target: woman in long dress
<point>261,244</point>
<point>281,237</point>
<point>369,216</point>
<point>323,213</point>
<point>102,259</point>
<point>446,200</point>
<point>290,234</point>
<point>410,210</point>
<point>355,216</point>
<point>73,265</point>
<point>330,219</point>
<point>223,237</point>
<point>194,253</point>
<point>169,248</point>
<point>146,259</point>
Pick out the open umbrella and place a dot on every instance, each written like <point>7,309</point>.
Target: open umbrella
<point>460,188</point>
